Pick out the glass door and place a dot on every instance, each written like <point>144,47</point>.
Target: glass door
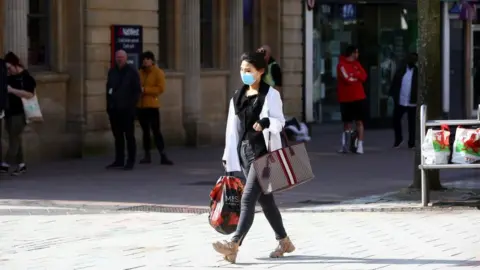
<point>334,28</point>
<point>384,35</point>
<point>397,37</point>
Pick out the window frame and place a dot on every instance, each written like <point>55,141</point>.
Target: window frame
<point>47,65</point>
<point>215,36</point>
<point>252,31</point>
<point>167,25</point>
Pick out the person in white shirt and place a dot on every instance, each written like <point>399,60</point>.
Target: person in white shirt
<point>404,94</point>
<point>254,125</point>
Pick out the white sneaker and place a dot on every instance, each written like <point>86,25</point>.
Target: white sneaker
<point>360,149</point>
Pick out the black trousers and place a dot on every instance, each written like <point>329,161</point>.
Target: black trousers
<point>15,125</point>
<point>1,148</point>
<point>122,123</point>
<point>253,193</point>
<point>398,113</point>
<point>149,119</point>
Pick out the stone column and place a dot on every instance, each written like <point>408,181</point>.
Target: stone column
<point>235,43</point>
<point>15,35</point>
<point>192,96</point>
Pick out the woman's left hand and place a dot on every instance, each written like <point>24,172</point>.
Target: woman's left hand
<point>257,127</point>
<point>9,89</point>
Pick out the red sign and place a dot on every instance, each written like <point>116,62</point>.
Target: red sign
<point>310,4</point>
<point>130,39</point>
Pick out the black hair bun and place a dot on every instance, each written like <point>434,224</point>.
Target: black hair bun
<point>148,55</point>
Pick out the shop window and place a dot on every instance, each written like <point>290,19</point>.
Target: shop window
<point>39,33</point>
<point>208,33</point>
<point>384,35</point>
<point>166,34</point>
<point>251,29</point>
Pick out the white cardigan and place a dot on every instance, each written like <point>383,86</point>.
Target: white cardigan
<point>273,109</point>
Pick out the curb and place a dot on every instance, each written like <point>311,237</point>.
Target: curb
<point>386,209</point>
<point>332,208</point>
<point>374,203</point>
<point>201,211</point>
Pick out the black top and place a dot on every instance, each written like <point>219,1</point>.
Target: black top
<point>276,72</point>
<point>248,111</point>
<point>123,88</point>
<point>22,81</point>
<point>3,85</point>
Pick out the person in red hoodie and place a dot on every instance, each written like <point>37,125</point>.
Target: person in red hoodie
<point>351,96</point>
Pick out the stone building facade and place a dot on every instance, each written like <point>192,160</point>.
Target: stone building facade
<point>66,45</point>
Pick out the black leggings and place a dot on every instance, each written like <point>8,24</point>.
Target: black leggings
<point>251,194</point>
<point>149,119</point>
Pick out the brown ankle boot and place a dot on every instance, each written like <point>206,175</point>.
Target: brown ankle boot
<point>284,246</point>
<point>228,249</point>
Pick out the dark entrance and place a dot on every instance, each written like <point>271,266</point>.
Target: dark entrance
<point>384,33</point>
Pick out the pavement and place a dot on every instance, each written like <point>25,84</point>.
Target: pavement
<point>356,179</point>
<point>174,241</point>
<point>77,215</point>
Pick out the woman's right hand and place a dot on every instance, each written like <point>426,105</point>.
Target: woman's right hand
<point>224,163</point>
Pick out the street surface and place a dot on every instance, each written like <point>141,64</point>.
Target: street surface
<point>75,215</point>
<point>157,241</point>
<point>188,183</point>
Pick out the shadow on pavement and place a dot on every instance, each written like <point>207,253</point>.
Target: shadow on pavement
<point>299,259</point>
<point>338,177</point>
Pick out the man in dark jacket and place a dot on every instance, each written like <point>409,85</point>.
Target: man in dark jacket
<point>403,90</point>
<point>122,92</point>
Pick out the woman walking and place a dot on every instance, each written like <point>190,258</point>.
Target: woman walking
<point>255,120</point>
<point>153,85</point>
<point>20,85</point>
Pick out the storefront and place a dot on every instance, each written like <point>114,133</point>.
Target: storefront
<point>67,46</point>
<point>384,33</point>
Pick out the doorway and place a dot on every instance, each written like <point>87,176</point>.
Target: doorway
<point>474,93</point>
<point>384,35</point>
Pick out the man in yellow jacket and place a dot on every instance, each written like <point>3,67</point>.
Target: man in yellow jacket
<point>152,80</point>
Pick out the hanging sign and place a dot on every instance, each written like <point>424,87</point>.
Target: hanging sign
<point>130,39</point>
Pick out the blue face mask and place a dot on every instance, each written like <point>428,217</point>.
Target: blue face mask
<point>248,78</point>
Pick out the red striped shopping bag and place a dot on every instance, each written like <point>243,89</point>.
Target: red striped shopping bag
<point>284,168</point>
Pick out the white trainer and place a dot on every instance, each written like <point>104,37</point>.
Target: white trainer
<point>360,149</point>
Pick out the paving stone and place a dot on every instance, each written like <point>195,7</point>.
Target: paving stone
<point>425,240</point>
